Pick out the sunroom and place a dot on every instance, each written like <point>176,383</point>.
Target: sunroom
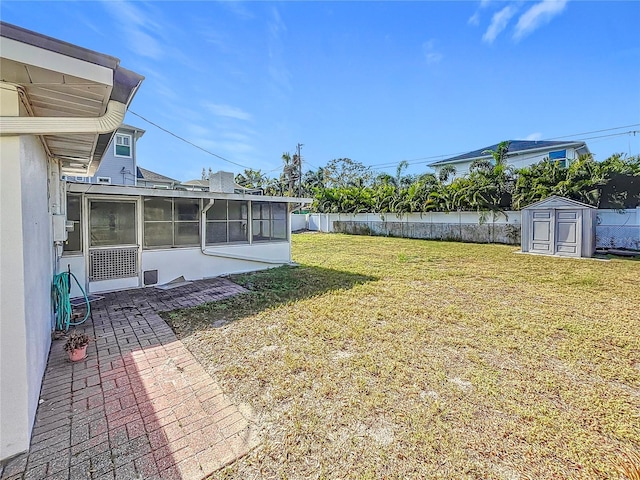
<point>127,237</point>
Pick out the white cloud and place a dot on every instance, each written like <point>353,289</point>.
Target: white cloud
<point>431,54</point>
<point>143,32</point>
<point>499,22</point>
<point>278,70</point>
<point>228,111</point>
<point>534,136</point>
<point>538,15</point>
<point>144,44</point>
<point>474,19</point>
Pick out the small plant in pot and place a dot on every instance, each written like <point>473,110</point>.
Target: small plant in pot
<point>76,346</point>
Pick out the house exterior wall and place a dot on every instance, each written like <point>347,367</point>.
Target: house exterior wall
<point>26,267</point>
<point>190,263</point>
<point>517,161</point>
<point>194,265</point>
<point>38,262</point>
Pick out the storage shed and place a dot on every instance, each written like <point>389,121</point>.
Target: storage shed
<point>559,226</point>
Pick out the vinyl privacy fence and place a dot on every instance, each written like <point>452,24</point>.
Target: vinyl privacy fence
<point>614,229</point>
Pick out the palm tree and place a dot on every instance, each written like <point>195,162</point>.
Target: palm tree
<point>250,178</point>
<point>446,172</point>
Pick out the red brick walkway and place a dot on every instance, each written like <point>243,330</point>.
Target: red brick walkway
<point>139,406</point>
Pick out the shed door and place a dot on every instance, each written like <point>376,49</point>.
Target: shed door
<point>568,232</point>
<point>542,231</point>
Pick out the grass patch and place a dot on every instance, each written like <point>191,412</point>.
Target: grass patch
<point>395,358</point>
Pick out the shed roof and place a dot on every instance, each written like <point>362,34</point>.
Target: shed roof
<point>555,201</point>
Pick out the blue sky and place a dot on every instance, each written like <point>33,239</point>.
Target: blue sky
<point>378,82</point>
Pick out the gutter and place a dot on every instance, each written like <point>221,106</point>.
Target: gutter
<point>107,123</point>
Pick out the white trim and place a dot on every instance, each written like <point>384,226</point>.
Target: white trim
<point>115,145</point>
<point>56,62</point>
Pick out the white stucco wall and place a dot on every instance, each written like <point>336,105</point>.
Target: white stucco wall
<point>190,263</point>
<point>38,262</point>
<point>194,265</point>
<point>76,264</point>
<point>14,417</point>
<point>26,268</point>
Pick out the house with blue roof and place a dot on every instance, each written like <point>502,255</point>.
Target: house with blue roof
<point>521,153</point>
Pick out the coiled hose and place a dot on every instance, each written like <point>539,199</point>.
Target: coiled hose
<point>61,290</point>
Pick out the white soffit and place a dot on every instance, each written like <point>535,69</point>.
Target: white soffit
<point>48,60</point>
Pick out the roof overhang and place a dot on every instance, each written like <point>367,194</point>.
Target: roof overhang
<point>64,82</point>
<point>129,191</point>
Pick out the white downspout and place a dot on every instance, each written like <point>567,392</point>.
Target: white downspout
<point>107,123</point>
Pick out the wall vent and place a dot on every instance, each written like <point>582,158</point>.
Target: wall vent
<point>113,263</point>
<point>150,277</point>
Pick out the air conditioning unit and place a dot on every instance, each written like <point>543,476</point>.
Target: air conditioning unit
<point>222,182</point>
<point>104,180</point>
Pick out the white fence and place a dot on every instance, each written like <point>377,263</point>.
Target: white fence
<point>614,229</point>
<point>618,229</point>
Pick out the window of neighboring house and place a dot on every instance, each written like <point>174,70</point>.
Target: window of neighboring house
<point>269,221</point>
<point>123,145</point>
<point>227,222</point>
<point>559,156</point>
<point>74,214</point>
<point>171,222</point>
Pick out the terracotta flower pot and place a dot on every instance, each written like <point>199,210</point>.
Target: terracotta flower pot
<point>78,354</point>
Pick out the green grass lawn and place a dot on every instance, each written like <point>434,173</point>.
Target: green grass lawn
<point>396,358</point>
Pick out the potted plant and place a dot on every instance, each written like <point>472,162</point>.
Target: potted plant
<point>76,346</point>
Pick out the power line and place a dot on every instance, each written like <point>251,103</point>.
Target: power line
<point>420,160</point>
<point>414,161</point>
<point>597,131</point>
<point>187,141</point>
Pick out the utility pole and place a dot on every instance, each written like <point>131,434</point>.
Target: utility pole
<point>299,165</point>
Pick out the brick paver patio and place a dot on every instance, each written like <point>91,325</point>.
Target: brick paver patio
<point>140,406</point>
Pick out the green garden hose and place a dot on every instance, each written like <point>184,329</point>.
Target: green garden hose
<point>62,300</point>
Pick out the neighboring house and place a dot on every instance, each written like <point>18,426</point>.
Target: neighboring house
<point>521,153</point>
<point>60,105</point>
<point>118,165</point>
<point>147,178</point>
<point>195,185</point>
